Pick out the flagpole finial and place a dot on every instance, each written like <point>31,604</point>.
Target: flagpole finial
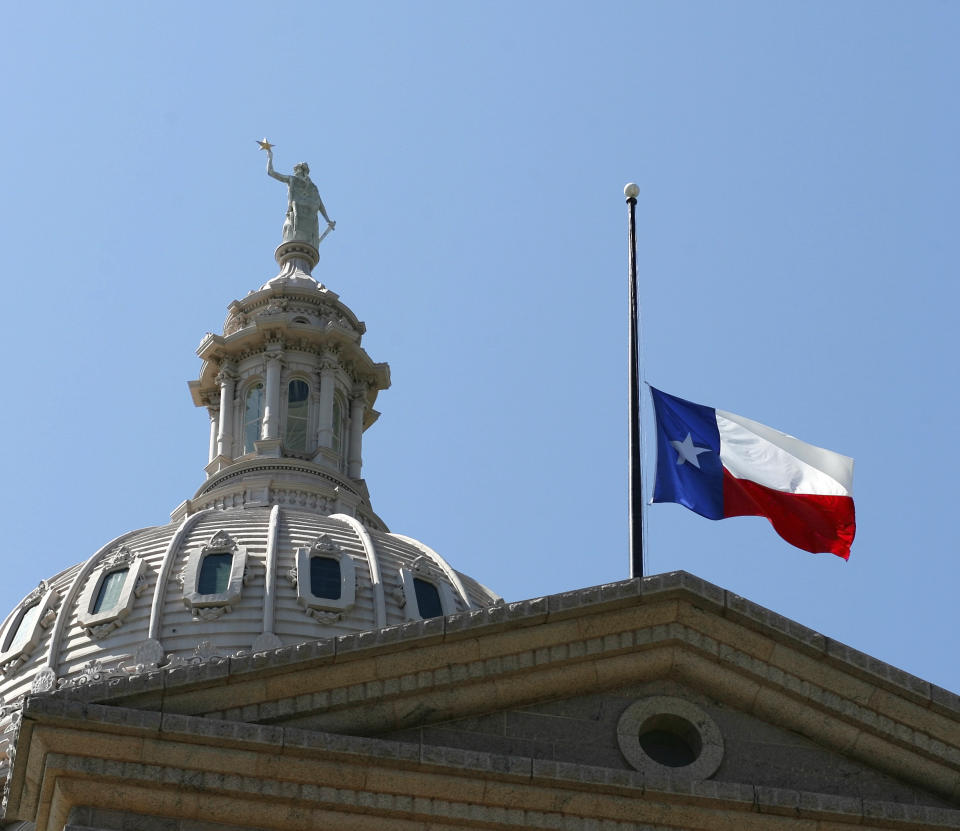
<point>631,191</point>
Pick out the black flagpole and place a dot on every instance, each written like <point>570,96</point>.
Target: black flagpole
<point>636,490</point>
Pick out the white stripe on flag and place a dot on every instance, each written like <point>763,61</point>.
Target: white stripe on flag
<point>753,451</point>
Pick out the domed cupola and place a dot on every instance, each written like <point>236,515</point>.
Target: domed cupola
<point>280,545</point>
<point>290,390</point>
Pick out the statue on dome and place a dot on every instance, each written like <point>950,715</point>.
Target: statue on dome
<point>303,203</point>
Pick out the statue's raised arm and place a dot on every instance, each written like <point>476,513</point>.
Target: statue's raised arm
<point>303,202</point>
<point>270,171</point>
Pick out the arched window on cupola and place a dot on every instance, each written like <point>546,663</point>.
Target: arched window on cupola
<point>298,394</point>
<point>252,417</point>
<point>339,427</point>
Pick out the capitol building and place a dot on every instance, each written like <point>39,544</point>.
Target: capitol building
<point>275,658</point>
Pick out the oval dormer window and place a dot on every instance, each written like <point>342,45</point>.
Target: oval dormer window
<point>215,573</point>
<point>428,598</point>
<point>111,587</point>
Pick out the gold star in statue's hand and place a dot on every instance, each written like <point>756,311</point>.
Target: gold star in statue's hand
<point>265,145</point>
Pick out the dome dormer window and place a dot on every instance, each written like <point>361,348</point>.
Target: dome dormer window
<point>19,633</point>
<point>326,580</point>
<point>424,592</point>
<point>428,598</point>
<point>214,576</point>
<point>110,587</point>
<point>298,393</point>
<point>252,417</point>
<point>24,628</point>
<point>110,592</point>
<point>215,573</point>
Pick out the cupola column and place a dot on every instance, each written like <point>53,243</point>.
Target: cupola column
<point>227,381</point>
<point>271,412</point>
<point>328,374</point>
<point>358,404</point>
<point>214,430</point>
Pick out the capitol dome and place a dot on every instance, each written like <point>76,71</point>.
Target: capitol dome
<point>279,546</point>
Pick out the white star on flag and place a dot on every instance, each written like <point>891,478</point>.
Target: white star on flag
<point>688,452</point>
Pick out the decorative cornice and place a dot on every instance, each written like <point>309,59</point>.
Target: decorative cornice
<point>249,468</point>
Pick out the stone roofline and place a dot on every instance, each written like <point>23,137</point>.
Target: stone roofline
<point>526,613</point>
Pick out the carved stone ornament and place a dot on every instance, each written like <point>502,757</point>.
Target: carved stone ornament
<point>211,612</point>
<point>202,653</point>
<point>103,629</point>
<point>326,618</point>
<point>12,714</point>
<point>92,672</point>
<point>120,557</point>
<point>325,545</point>
<point>36,594</point>
<point>275,307</point>
<point>235,322</point>
<point>225,374</point>
<point>44,681</point>
<point>220,541</point>
<point>422,566</point>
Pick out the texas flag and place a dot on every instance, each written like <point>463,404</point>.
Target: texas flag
<point>721,465</point>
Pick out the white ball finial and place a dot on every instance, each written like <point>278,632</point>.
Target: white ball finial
<point>631,191</point>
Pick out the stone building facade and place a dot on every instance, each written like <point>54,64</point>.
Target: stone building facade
<point>275,658</point>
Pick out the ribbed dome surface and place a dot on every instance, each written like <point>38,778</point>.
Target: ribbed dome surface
<point>154,615</point>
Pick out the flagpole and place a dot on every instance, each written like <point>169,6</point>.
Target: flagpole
<point>636,490</point>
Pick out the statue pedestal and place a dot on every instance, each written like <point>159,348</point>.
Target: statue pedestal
<point>300,255</point>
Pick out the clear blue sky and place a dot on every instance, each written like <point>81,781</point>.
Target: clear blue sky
<point>798,169</point>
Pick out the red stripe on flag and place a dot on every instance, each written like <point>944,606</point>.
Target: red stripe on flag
<point>821,524</point>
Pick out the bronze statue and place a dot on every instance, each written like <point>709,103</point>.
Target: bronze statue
<point>303,203</point>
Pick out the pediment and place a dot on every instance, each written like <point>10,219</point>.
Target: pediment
<point>600,730</point>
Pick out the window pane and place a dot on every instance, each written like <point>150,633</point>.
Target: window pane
<point>22,630</point>
<point>325,577</point>
<point>297,394</point>
<point>337,424</point>
<point>215,573</point>
<point>428,598</point>
<point>252,417</point>
<point>110,586</point>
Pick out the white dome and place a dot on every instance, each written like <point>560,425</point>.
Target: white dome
<point>64,633</point>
